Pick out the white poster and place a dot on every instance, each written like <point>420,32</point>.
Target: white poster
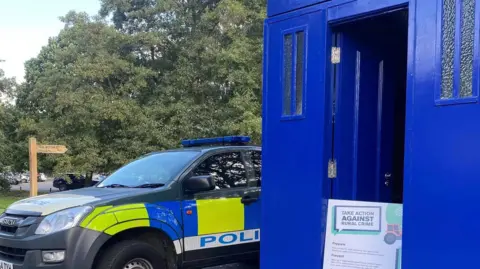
<point>363,235</point>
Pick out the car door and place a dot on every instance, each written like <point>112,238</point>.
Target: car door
<point>216,222</point>
<point>251,198</point>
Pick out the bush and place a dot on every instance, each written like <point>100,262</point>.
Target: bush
<point>4,184</point>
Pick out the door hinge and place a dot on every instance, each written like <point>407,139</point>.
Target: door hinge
<point>335,55</point>
<point>332,169</point>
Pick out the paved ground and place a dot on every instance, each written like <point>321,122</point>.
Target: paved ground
<point>42,187</point>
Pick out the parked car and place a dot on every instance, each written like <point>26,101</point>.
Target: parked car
<point>11,178</point>
<point>99,177</point>
<point>41,177</point>
<point>25,177</point>
<point>71,181</point>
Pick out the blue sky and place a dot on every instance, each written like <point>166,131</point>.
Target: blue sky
<point>26,25</point>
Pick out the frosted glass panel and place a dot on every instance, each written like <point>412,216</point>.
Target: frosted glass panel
<point>448,48</point>
<point>466,57</point>
<point>299,73</point>
<point>287,73</point>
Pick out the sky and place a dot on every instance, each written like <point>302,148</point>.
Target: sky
<point>26,25</point>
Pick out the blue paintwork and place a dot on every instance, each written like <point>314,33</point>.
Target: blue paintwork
<point>442,149</point>
<point>253,215</point>
<point>166,216</point>
<point>276,7</point>
<point>442,152</point>
<point>191,221</point>
<point>284,149</point>
<point>338,13</point>
<point>346,134</point>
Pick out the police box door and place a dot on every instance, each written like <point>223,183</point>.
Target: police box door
<point>368,113</point>
<point>295,185</point>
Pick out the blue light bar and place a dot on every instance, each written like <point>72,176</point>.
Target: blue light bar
<point>216,140</point>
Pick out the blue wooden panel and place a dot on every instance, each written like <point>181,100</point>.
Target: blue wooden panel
<point>295,187</point>
<point>275,7</point>
<point>442,157</point>
<point>361,7</point>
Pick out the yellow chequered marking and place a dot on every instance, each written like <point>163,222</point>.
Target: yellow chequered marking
<point>125,207</point>
<point>220,215</point>
<point>127,225</point>
<point>93,214</point>
<point>106,218</point>
<point>132,214</point>
<point>102,222</point>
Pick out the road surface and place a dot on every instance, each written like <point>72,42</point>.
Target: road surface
<point>43,187</point>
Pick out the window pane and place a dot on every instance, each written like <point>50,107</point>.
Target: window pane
<point>466,57</point>
<point>227,169</point>
<point>158,168</point>
<point>299,73</point>
<point>448,50</point>
<point>287,74</point>
<point>255,158</point>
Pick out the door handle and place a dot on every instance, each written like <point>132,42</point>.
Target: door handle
<point>248,200</point>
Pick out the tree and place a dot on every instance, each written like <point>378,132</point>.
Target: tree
<point>8,123</point>
<point>83,91</point>
<point>214,87</point>
<point>160,72</point>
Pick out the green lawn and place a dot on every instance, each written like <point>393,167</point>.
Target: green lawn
<point>7,198</point>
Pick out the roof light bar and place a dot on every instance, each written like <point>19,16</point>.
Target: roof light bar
<point>216,140</point>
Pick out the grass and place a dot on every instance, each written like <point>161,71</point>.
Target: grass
<point>7,198</point>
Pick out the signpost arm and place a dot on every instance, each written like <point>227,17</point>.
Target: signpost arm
<point>32,148</point>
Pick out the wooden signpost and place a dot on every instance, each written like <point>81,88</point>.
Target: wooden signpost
<point>34,149</point>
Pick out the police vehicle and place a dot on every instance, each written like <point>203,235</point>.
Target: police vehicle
<point>195,206</point>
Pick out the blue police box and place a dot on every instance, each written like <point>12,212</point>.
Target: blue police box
<point>372,100</point>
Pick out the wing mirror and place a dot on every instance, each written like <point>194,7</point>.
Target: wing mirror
<point>198,184</point>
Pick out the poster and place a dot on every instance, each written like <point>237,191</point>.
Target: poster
<point>363,235</point>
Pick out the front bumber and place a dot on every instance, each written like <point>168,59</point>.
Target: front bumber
<point>80,245</point>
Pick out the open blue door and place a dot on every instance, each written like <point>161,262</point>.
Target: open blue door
<point>295,184</point>
<point>369,108</point>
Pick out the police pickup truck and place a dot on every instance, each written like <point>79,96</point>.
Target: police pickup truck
<point>190,207</point>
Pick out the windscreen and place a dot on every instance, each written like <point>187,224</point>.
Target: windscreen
<point>155,169</point>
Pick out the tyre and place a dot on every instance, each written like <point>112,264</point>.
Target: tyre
<point>62,187</point>
<point>132,254</point>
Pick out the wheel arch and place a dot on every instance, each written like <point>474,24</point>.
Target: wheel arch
<point>152,235</point>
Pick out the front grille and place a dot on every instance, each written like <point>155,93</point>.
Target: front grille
<point>8,229</point>
<point>15,254</point>
<point>12,229</point>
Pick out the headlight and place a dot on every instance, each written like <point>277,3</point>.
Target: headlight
<point>62,220</point>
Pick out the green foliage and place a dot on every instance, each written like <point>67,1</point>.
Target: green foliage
<point>8,124</point>
<point>4,184</point>
<point>139,78</point>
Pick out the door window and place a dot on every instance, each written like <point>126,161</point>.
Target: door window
<point>227,169</point>
<point>255,165</point>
